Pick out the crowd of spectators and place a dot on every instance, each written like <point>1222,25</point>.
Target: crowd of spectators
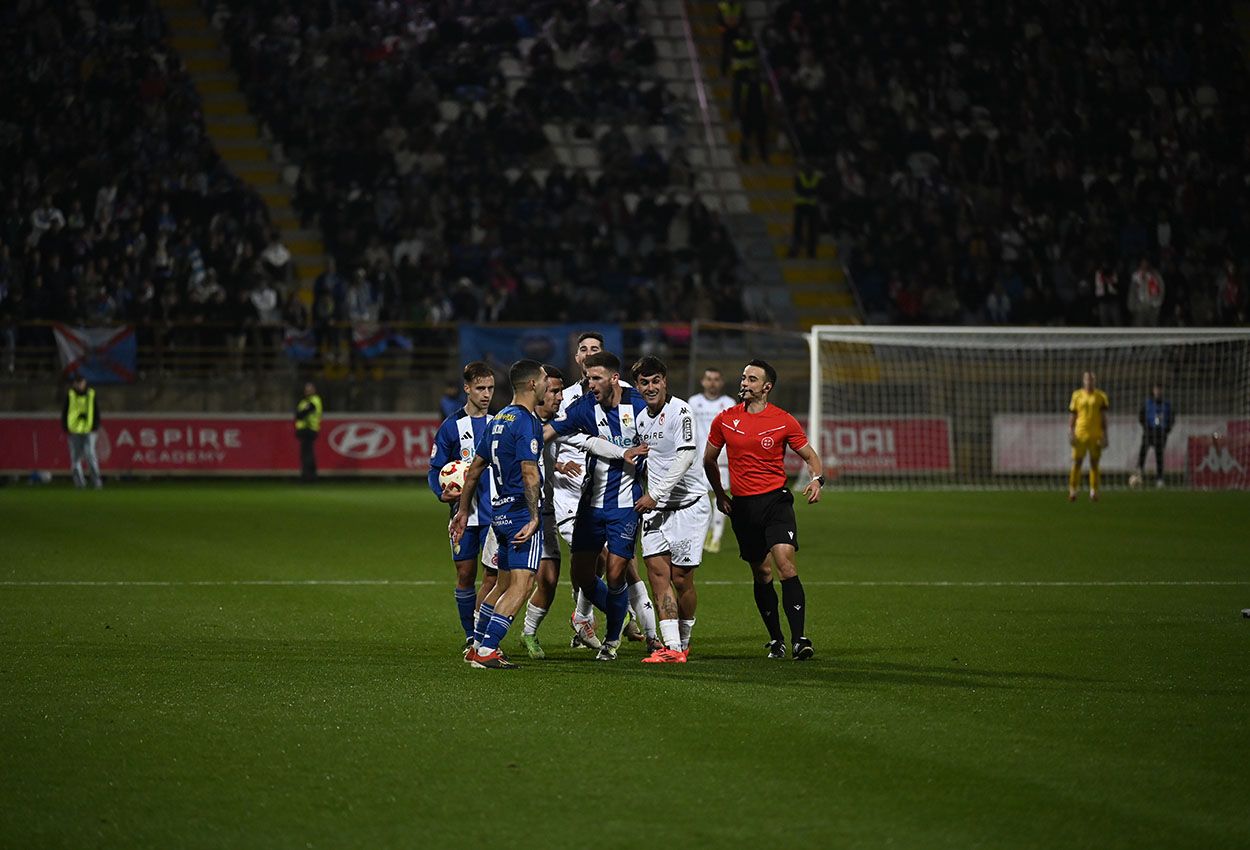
<point>418,134</point>
<point>1033,162</point>
<point>115,206</point>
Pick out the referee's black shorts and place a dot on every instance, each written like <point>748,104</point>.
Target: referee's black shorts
<point>761,522</point>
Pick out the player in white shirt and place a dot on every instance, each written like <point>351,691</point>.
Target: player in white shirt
<point>705,406</point>
<point>674,508</point>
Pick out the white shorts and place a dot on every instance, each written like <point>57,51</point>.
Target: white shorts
<point>490,551</point>
<point>679,533</point>
<point>551,539</point>
<point>564,506</point>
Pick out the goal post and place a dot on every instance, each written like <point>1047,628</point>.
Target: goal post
<point>953,407</point>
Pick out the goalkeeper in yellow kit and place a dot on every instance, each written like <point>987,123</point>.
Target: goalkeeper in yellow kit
<point>1087,432</point>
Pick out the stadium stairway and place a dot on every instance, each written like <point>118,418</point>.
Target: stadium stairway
<point>819,289</point>
<point>236,134</point>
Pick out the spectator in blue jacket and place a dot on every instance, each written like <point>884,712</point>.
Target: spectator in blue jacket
<point>1156,418</point>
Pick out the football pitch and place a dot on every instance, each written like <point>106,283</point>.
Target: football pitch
<point>263,665</point>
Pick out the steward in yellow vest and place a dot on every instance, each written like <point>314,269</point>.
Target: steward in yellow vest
<point>307,427</point>
<point>80,418</point>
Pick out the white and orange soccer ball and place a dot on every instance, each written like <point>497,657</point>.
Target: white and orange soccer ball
<point>452,475</point>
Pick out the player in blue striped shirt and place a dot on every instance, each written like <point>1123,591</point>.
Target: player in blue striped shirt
<point>457,439</point>
<point>606,515</point>
<point>512,450</point>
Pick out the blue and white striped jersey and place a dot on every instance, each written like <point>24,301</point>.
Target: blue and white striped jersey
<point>613,484</point>
<point>457,440</point>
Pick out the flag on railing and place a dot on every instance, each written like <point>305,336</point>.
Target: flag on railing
<point>101,355</point>
<point>371,339</point>
<point>299,345</point>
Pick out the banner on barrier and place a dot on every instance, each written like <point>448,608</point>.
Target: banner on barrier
<point>1038,442</point>
<point>181,444</point>
<point>882,446</point>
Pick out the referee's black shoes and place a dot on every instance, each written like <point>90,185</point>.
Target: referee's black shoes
<point>776,648</point>
<point>803,649</point>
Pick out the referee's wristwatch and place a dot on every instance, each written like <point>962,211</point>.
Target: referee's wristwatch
<point>821,479</point>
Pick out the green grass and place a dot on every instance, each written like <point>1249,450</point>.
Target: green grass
<point>963,715</point>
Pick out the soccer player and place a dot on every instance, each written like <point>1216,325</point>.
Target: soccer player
<point>674,509</point>
<point>705,406</point>
<point>512,449</point>
<point>756,434</point>
<point>606,516</point>
<point>549,564</point>
<point>457,439</point>
<point>567,497</point>
<point>1087,433</point>
<point>1157,418</point>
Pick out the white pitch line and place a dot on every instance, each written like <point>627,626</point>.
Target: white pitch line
<point>431,583</point>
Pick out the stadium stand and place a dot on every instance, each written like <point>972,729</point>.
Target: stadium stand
<point>116,206</point>
<point>510,161</point>
<point>987,161</point>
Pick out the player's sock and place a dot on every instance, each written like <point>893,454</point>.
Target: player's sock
<point>795,602</point>
<point>533,619</point>
<point>1074,478</point>
<point>584,605</point>
<point>685,627</point>
<point>670,633</point>
<point>601,594</point>
<point>465,598</point>
<point>496,630</point>
<point>483,618</point>
<point>1093,478</point>
<point>718,525</point>
<point>766,601</point>
<point>617,605</point>
<point>640,604</point>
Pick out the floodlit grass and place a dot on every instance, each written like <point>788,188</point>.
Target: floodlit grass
<point>992,670</point>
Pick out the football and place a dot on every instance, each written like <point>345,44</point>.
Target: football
<point>452,475</point>
<point>1134,480</point>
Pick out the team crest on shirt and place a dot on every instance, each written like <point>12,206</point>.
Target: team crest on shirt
<point>465,453</point>
<point>433,451</point>
<point>627,418</point>
<point>534,446</point>
<point>767,442</point>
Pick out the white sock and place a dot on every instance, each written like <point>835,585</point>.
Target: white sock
<point>670,634</point>
<point>585,606</point>
<point>718,525</point>
<point>641,605</point>
<point>686,627</point>
<point>533,619</point>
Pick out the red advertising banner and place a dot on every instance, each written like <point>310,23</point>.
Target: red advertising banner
<point>1221,461</point>
<point>182,444</point>
<point>884,446</point>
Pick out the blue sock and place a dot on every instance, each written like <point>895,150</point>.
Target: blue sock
<point>483,618</point>
<point>495,631</point>
<point>618,604</point>
<point>600,596</point>
<point>466,597</point>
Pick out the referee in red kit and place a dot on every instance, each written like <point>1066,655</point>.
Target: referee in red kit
<point>761,509</point>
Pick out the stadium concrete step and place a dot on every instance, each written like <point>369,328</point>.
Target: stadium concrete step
<point>235,133</point>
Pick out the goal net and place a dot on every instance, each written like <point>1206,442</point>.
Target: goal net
<point>988,407</point>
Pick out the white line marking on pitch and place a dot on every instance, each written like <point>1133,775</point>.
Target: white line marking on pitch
<point>432,583</point>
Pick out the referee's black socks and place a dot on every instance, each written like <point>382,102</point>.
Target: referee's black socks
<point>795,600</point>
<point>766,601</point>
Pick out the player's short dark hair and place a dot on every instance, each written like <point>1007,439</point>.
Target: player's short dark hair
<point>553,373</point>
<point>715,369</point>
<point>770,374</point>
<point>647,366</point>
<point>522,372</point>
<point>604,360</point>
<point>477,369</point>
<point>585,335</point>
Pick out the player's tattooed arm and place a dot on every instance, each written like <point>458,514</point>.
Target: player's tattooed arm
<point>533,486</point>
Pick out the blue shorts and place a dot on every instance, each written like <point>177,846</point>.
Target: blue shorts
<point>617,527</point>
<point>471,543</point>
<point>513,557</point>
